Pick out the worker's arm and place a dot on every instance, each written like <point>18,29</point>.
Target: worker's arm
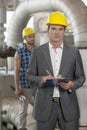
<point>17,65</point>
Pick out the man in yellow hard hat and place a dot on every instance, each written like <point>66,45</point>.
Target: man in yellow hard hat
<point>21,62</point>
<point>57,71</point>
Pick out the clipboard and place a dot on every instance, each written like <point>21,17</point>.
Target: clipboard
<point>55,81</point>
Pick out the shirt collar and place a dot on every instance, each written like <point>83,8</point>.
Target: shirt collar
<point>51,46</point>
<point>25,48</point>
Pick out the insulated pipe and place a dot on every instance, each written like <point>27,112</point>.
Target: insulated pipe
<point>78,20</point>
<point>75,10</point>
<point>11,107</point>
<point>2,21</point>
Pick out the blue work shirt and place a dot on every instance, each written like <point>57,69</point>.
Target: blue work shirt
<point>24,54</point>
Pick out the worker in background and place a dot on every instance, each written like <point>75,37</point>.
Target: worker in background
<point>21,62</point>
<point>56,101</point>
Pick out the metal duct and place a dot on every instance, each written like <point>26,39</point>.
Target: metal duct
<point>75,10</point>
<point>2,21</point>
<point>11,107</point>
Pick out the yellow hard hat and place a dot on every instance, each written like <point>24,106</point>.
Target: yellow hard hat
<point>27,31</point>
<point>57,18</point>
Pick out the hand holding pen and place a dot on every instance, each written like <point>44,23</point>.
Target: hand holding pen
<point>45,78</point>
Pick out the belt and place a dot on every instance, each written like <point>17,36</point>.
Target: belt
<point>56,99</point>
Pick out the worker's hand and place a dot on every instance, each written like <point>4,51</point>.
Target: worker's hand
<point>44,78</point>
<point>18,91</point>
<point>66,86</point>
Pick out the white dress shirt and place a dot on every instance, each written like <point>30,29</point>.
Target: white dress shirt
<point>56,55</point>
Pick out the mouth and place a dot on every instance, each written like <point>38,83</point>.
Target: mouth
<point>57,36</point>
<point>31,43</point>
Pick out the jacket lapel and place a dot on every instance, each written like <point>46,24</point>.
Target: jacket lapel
<point>63,60</point>
<point>46,54</point>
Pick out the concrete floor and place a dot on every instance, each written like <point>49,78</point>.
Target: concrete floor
<point>81,128</point>
<point>5,128</point>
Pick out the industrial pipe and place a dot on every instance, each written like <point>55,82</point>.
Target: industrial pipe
<point>76,15</point>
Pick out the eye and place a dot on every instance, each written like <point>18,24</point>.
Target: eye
<point>61,29</point>
<point>53,29</point>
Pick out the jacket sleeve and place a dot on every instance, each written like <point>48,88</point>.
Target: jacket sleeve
<point>79,72</point>
<point>32,71</point>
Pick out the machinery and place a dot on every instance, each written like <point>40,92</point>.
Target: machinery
<point>7,52</point>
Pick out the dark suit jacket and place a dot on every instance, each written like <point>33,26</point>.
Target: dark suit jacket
<point>71,67</point>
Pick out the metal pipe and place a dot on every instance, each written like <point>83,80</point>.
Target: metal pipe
<point>2,21</point>
<point>69,7</point>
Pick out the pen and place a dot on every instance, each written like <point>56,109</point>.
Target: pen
<point>47,71</point>
<point>54,81</point>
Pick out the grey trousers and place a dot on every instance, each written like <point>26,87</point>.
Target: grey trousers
<point>57,116</point>
<point>23,105</point>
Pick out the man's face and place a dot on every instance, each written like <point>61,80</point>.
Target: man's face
<point>56,33</point>
<point>30,39</point>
